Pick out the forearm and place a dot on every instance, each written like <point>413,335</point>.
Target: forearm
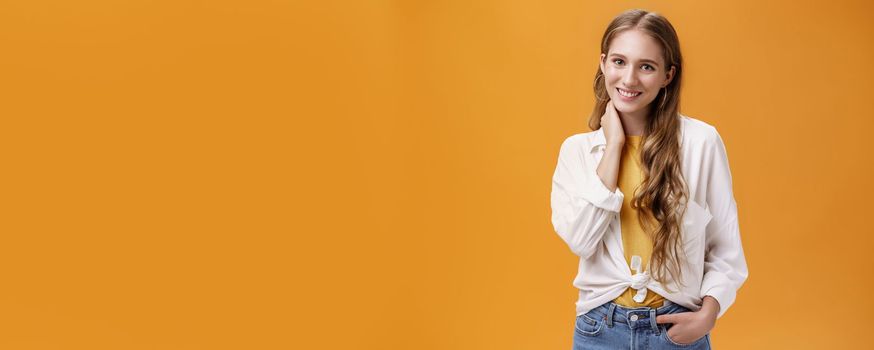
<point>608,168</point>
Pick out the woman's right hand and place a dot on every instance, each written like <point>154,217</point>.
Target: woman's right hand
<point>612,126</point>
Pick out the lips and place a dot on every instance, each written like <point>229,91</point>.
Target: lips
<point>628,93</point>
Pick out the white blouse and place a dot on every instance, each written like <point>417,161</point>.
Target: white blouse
<point>585,214</point>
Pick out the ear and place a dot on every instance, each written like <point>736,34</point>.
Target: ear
<point>601,63</point>
<point>670,76</point>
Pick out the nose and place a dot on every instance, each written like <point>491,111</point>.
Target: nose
<point>630,78</point>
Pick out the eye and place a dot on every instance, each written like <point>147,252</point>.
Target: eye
<point>651,67</point>
<point>616,59</point>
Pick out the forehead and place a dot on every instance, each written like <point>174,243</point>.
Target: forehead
<point>636,46</point>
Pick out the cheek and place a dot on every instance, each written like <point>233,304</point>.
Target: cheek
<point>651,82</point>
<point>610,76</point>
<point>610,81</point>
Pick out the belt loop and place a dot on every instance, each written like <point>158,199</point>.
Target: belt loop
<point>652,318</point>
<point>610,310</point>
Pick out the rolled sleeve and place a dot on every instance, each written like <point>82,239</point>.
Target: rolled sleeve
<point>594,191</point>
<point>582,206</point>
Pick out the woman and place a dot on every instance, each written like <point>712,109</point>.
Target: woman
<point>646,201</point>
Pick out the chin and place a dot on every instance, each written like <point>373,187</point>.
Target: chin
<point>624,108</point>
<point>627,109</point>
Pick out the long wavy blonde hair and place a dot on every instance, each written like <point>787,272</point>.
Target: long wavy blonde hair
<point>663,191</point>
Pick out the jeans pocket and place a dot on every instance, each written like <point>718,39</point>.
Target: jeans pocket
<point>588,326</point>
<point>671,341</point>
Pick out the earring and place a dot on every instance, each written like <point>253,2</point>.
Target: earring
<point>664,98</point>
<point>595,86</point>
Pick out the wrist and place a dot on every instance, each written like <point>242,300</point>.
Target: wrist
<point>710,305</point>
<point>616,144</point>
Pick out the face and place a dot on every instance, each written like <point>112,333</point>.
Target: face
<point>635,65</point>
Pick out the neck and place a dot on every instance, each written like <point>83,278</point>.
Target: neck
<point>633,123</point>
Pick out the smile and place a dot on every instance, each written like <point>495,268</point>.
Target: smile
<point>627,93</point>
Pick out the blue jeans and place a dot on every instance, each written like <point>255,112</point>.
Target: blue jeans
<point>612,326</point>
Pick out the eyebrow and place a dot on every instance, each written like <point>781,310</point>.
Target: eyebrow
<point>642,60</point>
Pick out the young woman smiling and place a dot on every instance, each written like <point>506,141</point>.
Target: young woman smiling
<point>645,200</point>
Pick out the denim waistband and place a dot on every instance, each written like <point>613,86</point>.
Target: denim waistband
<point>635,316</point>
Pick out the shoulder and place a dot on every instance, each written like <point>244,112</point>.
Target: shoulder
<point>579,138</point>
<point>579,142</point>
<point>697,132</point>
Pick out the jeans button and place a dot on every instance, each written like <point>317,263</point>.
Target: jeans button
<point>634,317</point>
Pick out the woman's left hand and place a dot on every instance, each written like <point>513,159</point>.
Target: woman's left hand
<point>689,326</point>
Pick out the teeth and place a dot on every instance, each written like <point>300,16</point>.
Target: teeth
<point>623,93</point>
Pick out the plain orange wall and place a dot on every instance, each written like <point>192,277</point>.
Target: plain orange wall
<point>376,174</point>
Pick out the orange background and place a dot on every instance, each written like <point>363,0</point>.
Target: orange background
<point>376,174</point>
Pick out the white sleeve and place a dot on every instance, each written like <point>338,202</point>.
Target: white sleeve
<point>582,206</point>
<point>725,268</point>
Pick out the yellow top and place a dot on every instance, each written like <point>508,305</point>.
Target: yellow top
<point>635,240</point>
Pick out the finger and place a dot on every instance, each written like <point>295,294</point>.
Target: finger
<point>666,319</point>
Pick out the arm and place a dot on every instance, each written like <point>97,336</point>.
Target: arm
<point>608,169</point>
<point>725,268</point>
<point>582,206</point>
